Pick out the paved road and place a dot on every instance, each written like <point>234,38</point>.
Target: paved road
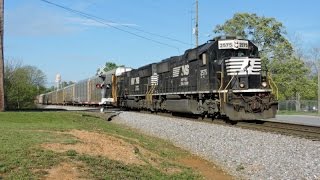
<point>298,119</point>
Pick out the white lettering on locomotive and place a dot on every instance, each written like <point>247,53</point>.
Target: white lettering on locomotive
<point>135,80</point>
<point>154,79</point>
<point>184,81</point>
<point>233,44</point>
<point>136,88</point>
<point>184,71</point>
<point>203,73</point>
<point>243,66</point>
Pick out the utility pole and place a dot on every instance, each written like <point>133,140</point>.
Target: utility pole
<point>316,58</point>
<point>2,104</point>
<point>197,23</point>
<point>318,87</point>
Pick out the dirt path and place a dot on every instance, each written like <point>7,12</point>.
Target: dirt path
<point>97,144</point>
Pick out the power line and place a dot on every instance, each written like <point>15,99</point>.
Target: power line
<point>137,29</point>
<point>102,21</point>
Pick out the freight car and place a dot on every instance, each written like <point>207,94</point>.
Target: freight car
<point>84,92</point>
<point>221,78</point>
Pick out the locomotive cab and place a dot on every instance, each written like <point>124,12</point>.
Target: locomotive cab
<point>108,87</point>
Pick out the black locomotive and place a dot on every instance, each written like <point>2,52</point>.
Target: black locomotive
<point>221,78</point>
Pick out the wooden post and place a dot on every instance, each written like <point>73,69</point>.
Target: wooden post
<point>197,24</point>
<point>318,87</point>
<point>2,103</point>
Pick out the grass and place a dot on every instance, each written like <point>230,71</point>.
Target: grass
<point>21,156</point>
<point>297,113</point>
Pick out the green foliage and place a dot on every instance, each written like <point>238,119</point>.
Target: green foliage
<point>292,79</point>
<point>290,73</point>
<point>22,85</point>
<point>267,33</point>
<point>108,66</point>
<point>65,83</point>
<point>50,89</point>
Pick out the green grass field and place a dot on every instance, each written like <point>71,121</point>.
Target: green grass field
<point>298,113</point>
<point>23,157</point>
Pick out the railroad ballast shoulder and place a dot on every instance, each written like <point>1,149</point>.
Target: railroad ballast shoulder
<point>221,78</point>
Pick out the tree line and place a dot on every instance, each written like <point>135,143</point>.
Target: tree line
<point>22,83</point>
<point>293,70</point>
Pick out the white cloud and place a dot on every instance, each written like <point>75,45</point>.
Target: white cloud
<point>29,20</point>
<point>90,22</point>
<point>83,5</point>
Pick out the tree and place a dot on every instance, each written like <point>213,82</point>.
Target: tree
<point>65,83</point>
<point>289,70</point>
<point>50,89</point>
<point>267,33</point>
<point>108,66</point>
<point>315,53</point>
<point>22,85</point>
<point>292,79</point>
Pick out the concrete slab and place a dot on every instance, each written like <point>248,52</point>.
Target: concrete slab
<point>298,119</point>
<point>70,108</point>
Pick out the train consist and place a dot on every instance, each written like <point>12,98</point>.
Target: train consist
<point>221,78</point>
<point>85,92</point>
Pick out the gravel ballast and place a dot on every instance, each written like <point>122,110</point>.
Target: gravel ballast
<point>243,153</point>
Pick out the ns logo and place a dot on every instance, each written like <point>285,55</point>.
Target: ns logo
<point>180,71</point>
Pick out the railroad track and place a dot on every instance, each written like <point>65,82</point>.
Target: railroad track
<point>295,130</point>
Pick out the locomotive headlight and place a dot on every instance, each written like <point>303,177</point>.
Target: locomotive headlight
<point>264,84</point>
<point>241,85</point>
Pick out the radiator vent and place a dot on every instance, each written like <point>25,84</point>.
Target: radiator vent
<point>243,66</point>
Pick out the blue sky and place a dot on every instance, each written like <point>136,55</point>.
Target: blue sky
<point>57,41</point>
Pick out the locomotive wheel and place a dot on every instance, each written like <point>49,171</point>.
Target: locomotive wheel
<point>231,122</point>
<point>259,122</point>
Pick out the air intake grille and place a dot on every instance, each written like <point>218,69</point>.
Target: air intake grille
<point>243,66</point>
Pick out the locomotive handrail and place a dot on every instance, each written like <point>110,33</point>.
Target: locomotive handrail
<point>221,84</point>
<point>273,85</point>
<point>114,88</point>
<point>225,92</point>
<point>149,93</point>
